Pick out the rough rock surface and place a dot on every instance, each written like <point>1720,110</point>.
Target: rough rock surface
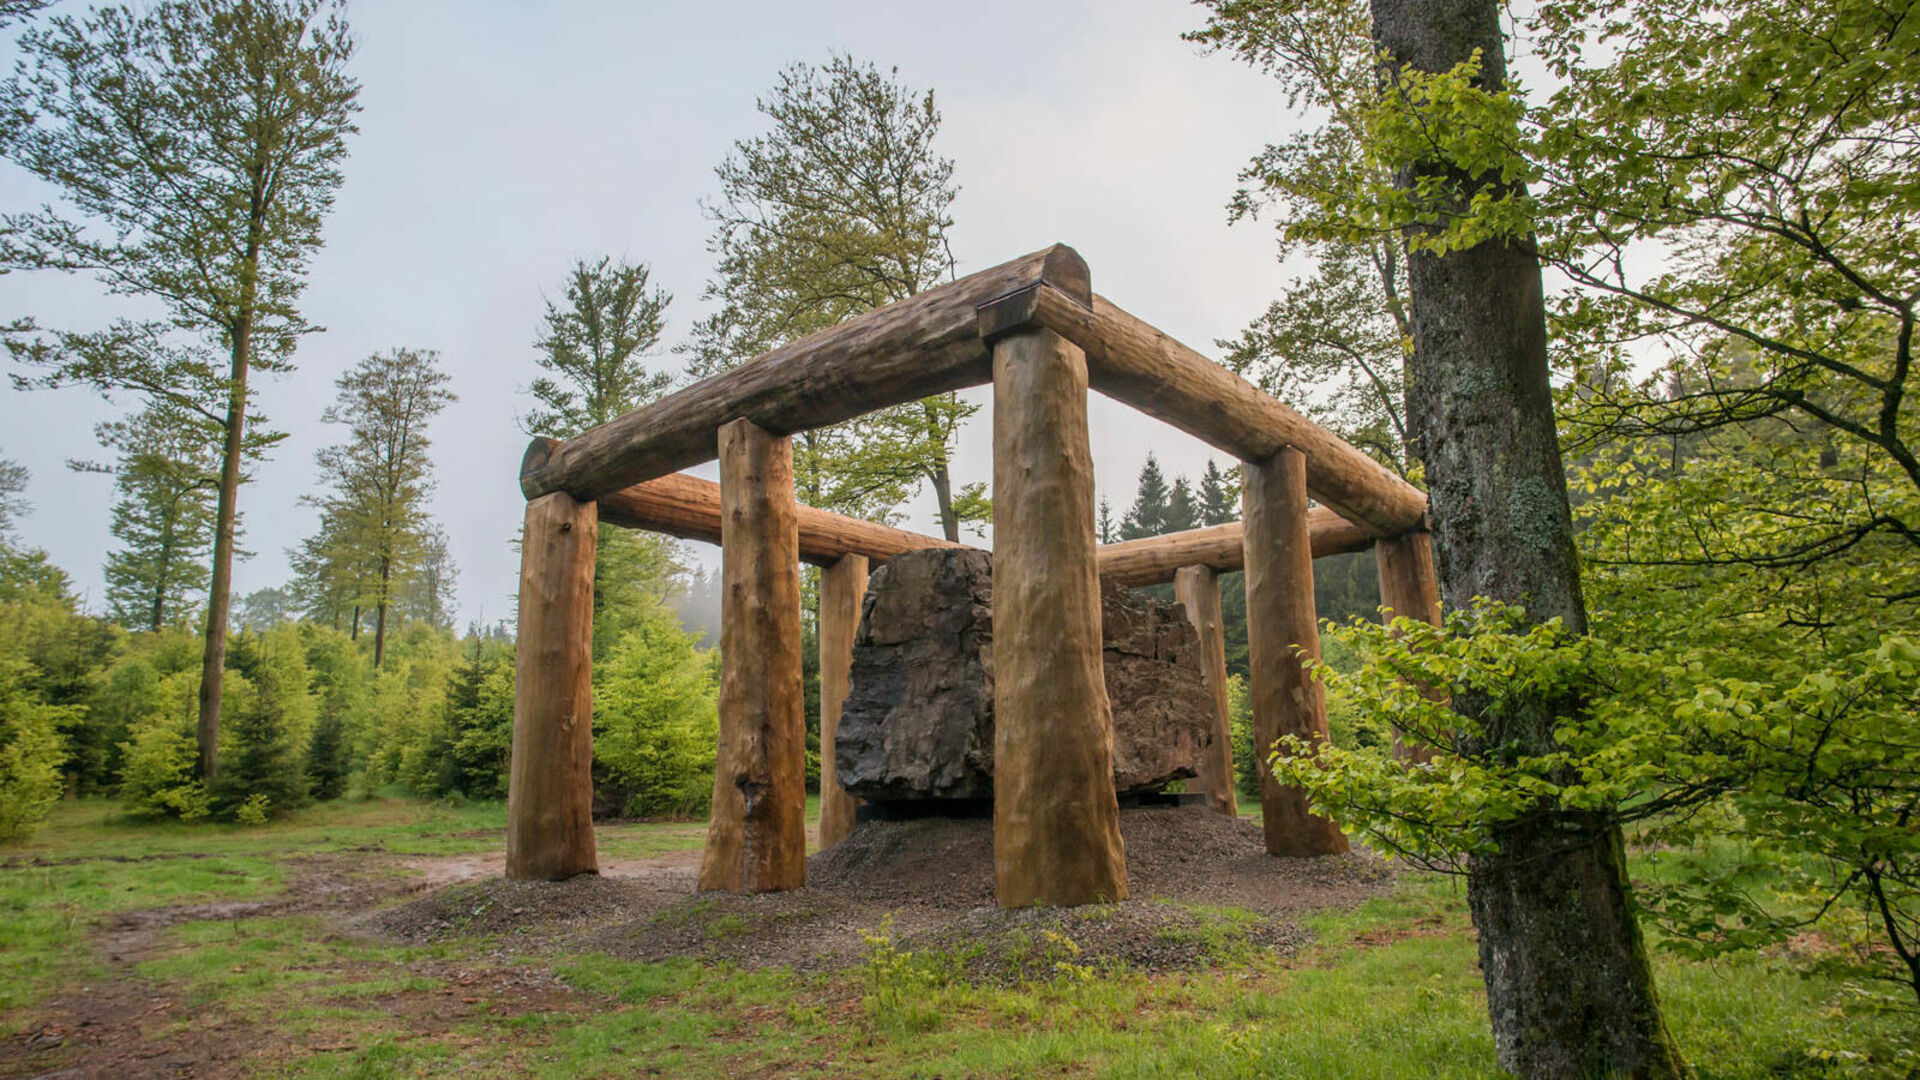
<point>918,720</point>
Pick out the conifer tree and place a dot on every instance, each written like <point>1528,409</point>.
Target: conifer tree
<point>1219,496</point>
<point>1150,504</point>
<point>163,513</point>
<point>1182,511</point>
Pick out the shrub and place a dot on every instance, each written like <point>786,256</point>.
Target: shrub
<point>31,751</point>
<point>656,720</point>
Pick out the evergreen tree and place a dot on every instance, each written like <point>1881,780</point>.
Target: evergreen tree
<point>163,515</point>
<point>13,499</point>
<point>842,207</point>
<point>1219,496</point>
<point>271,727</point>
<point>1150,504</point>
<point>1107,534</point>
<point>596,346</point>
<point>200,142</point>
<point>1182,511</point>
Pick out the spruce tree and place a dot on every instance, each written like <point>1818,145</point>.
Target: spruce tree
<point>1219,496</point>
<point>1149,514</point>
<point>1183,512</point>
<point>163,514</point>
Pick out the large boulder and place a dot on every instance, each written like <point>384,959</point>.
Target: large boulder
<point>918,720</point>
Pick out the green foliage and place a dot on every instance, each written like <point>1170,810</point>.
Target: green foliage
<point>376,543</point>
<point>1816,762</point>
<point>596,347</point>
<point>656,720</point>
<point>267,732</point>
<point>162,515</point>
<point>843,206</point>
<point>158,776</point>
<point>31,750</point>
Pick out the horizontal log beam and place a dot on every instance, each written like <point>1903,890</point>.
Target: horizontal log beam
<point>925,345</point>
<point>1155,559</point>
<point>689,508</point>
<point>1132,362</point>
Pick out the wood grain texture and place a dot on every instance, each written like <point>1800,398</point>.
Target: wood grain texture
<point>689,508</point>
<point>1131,361</point>
<point>842,587</point>
<point>925,345</point>
<point>1197,588</point>
<point>1154,560</point>
<point>1281,627</point>
<point>756,835</point>
<point>550,778</point>
<point>1409,588</point>
<point>1056,829</point>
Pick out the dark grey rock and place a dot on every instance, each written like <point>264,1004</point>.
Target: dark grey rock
<point>918,720</point>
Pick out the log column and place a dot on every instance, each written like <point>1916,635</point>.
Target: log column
<point>550,780</point>
<point>756,837</point>
<point>843,586</point>
<point>1056,827</point>
<point>1280,627</point>
<point>1198,590</point>
<point>1409,588</point>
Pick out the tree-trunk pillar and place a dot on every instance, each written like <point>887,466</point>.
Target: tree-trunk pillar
<point>1198,590</point>
<point>756,837</point>
<point>1056,822</point>
<point>1408,589</point>
<point>842,587</point>
<point>550,782</point>
<point>1281,631</point>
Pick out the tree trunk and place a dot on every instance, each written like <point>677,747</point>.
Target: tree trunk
<point>757,834</point>
<point>550,781</point>
<point>942,479</point>
<point>843,586</point>
<point>380,614</point>
<point>213,661</point>
<point>1056,821</point>
<point>1568,984</point>
<point>1197,588</point>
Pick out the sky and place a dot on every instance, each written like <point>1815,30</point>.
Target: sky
<point>501,141</point>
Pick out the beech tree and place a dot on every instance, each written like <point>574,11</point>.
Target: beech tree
<point>197,146</point>
<point>843,206</point>
<point>380,477</point>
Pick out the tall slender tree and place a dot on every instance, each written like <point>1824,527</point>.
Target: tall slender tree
<point>841,207</point>
<point>1569,986</point>
<point>380,477</point>
<point>163,515</point>
<point>197,145</point>
<point>1219,496</point>
<point>600,351</point>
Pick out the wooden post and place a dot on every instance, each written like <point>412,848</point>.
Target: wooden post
<point>1198,590</point>
<point>756,837</point>
<point>1056,822</point>
<point>1280,617</point>
<point>550,781</point>
<point>842,587</point>
<point>1409,588</point>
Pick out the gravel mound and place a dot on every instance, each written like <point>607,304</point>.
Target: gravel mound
<point>1204,891</point>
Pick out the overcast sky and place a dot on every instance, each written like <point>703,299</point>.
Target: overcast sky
<point>502,140</point>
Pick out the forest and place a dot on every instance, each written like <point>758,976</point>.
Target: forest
<point>1667,734</point>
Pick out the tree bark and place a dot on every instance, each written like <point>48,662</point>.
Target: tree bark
<point>1198,590</point>
<point>550,780</point>
<point>757,834</point>
<point>380,614</point>
<point>842,588</point>
<point>1568,984</point>
<point>213,659</point>
<point>1282,631</point>
<point>1056,821</point>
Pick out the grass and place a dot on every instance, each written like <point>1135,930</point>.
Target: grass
<point>1388,989</point>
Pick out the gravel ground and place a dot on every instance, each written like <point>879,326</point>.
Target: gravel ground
<point>1204,890</point>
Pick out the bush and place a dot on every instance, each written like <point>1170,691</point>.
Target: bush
<point>31,751</point>
<point>160,756</point>
<point>656,720</point>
